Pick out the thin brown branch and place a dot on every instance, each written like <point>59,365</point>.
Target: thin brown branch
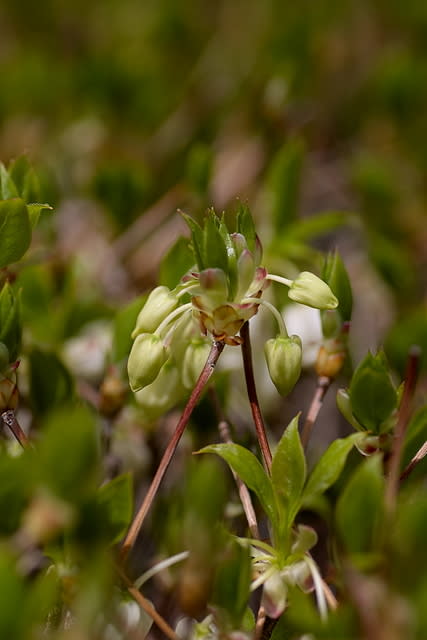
<point>421,453</point>
<point>244,494</point>
<point>322,386</point>
<point>411,376</point>
<point>147,606</point>
<point>10,421</point>
<point>253,397</point>
<point>208,369</point>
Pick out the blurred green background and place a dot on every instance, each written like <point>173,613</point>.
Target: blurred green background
<point>132,109</point>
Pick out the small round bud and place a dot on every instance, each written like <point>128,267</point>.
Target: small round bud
<point>310,290</point>
<point>284,356</point>
<point>146,358</point>
<point>157,307</point>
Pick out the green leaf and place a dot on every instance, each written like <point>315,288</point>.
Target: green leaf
<point>249,470</point>
<point>51,384</point>
<point>12,620</point>
<point>34,211</point>
<point>68,454</point>
<point>15,231</point>
<point>177,261</point>
<point>214,249</point>
<point>7,186</point>
<point>25,179</point>
<point>330,466</point>
<point>372,393</point>
<point>284,184</point>
<point>10,321</point>
<point>335,275</point>
<point>246,226</point>
<point>360,506</point>
<point>196,240</point>
<point>232,582</point>
<point>116,502</point>
<point>288,470</point>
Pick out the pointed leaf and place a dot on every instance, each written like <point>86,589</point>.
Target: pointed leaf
<point>249,470</point>
<point>372,393</point>
<point>360,506</point>
<point>246,226</point>
<point>330,466</point>
<point>214,249</point>
<point>15,231</point>
<point>196,240</point>
<point>34,211</point>
<point>7,186</point>
<point>288,469</point>
<point>10,320</point>
<point>116,502</point>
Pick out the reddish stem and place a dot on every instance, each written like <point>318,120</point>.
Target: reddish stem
<point>208,369</point>
<point>402,423</point>
<point>322,386</point>
<point>10,421</point>
<point>253,398</point>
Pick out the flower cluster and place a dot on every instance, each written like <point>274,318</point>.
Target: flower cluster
<point>214,299</point>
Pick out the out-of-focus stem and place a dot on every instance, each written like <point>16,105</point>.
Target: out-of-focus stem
<point>208,369</point>
<point>322,386</point>
<point>421,453</point>
<point>147,606</point>
<point>10,421</point>
<point>411,376</point>
<point>253,398</point>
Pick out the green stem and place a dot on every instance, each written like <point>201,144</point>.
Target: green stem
<point>279,319</point>
<point>208,369</point>
<point>253,397</point>
<point>285,281</point>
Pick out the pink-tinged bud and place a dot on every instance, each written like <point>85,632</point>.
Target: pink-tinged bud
<point>214,287</point>
<point>146,358</point>
<point>195,357</point>
<point>157,307</point>
<point>284,357</point>
<point>239,242</point>
<point>245,273</point>
<point>9,395</point>
<point>310,290</point>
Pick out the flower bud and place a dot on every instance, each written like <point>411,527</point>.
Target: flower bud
<point>157,307</point>
<point>284,356</point>
<point>331,357</point>
<point>274,595</point>
<point>195,358</point>
<point>162,394</point>
<point>146,358</point>
<point>310,290</point>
